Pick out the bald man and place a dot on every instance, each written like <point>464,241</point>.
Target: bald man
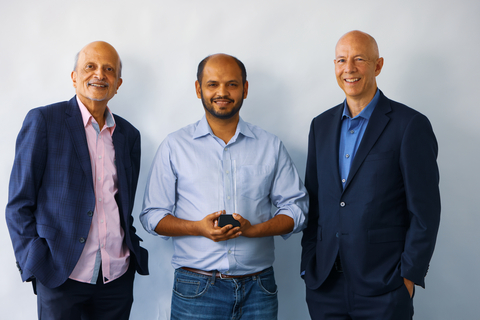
<point>222,164</point>
<point>71,196</point>
<point>374,211</point>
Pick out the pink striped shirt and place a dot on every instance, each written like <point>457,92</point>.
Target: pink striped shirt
<point>105,242</point>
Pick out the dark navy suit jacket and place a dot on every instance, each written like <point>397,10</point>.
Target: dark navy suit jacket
<point>384,223</point>
<point>51,195</point>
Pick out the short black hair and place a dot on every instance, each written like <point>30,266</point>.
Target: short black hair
<point>202,64</point>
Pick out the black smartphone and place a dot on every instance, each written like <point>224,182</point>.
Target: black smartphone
<point>225,219</point>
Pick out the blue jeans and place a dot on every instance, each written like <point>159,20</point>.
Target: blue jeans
<point>197,296</point>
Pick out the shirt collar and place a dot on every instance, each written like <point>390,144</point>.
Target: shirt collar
<point>203,129</point>
<point>366,112</point>
<point>88,118</point>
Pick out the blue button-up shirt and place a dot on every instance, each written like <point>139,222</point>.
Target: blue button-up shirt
<point>195,173</point>
<point>351,135</point>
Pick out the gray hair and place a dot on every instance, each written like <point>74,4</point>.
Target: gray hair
<point>76,62</point>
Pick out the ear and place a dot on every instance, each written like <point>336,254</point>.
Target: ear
<point>245,90</point>
<point>378,66</point>
<point>198,90</point>
<point>74,78</point>
<point>119,83</point>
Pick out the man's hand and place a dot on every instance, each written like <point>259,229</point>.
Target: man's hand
<point>208,228</point>
<point>409,284</point>
<point>278,225</point>
<point>246,227</point>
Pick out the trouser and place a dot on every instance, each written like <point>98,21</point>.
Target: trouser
<point>198,296</point>
<point>335,300</point>
<point>75,300</point>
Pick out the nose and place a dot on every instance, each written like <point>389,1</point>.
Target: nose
<point>223,90</point>
<point>100,74</point>
<point>350,66</point>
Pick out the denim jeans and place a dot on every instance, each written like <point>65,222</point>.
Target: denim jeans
<point>197,296</point>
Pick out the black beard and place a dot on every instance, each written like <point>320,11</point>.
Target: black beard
<point>212,111</point>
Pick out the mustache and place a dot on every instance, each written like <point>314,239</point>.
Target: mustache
<point>222,98</point>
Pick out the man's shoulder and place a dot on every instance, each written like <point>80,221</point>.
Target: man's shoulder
<point>328,114</point>
<point>260,133</point>
<point>124,124</point>
<point>52,112</point>
<point>398,110</point>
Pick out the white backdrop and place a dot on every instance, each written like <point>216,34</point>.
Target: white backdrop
<point>431,64</point>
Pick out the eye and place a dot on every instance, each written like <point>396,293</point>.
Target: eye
<point>233,85</point>
<point>340,60</point>
<point>89,66</point>
<point>109,69</point>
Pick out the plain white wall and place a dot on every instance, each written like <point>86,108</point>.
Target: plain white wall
<point>431,64</point>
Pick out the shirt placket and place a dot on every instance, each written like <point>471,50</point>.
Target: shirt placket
<point>229,191</point>
<point>102,224</point>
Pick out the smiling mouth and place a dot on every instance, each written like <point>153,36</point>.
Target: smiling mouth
<point>222,102</point>
<point>98,85</point>
<point>352,80</point>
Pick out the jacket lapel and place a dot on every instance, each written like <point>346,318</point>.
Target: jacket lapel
<point>334,145</point>
<point>76,130</point>
<point>377,123</point>
<point>119,145</point>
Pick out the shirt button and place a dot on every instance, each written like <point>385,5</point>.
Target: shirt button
<point>90,213</point>
<point>99,157</point>
<point>101,221</point>
<point>81,240</point>
<point>229,251</point>
<point>337,235</point>
<point>342,204</point>
<point>343,180</point>
<point>352,131</point>
<point>99,178</point>
<point>347,156</point>
<point>99,199</point>
<point>227,172</point>
<point>228,198</point>
<point>226,149</point>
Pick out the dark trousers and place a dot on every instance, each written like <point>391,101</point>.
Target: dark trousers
<point>335,300</point>
<point>75,300</point>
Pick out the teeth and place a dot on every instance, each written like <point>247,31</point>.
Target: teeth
<point>352,80</point>
<point>97,85</point>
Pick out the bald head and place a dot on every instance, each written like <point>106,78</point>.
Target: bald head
<point>357,64</point>
<point>103,46</point>
<point>220,57</point>
<point>359,37</point>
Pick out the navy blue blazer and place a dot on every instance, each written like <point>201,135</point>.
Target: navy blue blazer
<point>385,222</point>
<point>51,196</point>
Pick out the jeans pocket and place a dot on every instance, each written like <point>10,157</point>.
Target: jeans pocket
<point>189,286</point>
<point>267,283</point>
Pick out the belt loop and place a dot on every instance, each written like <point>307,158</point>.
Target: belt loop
<point>214,275</point>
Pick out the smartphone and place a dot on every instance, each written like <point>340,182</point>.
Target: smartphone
<point>225,219</point>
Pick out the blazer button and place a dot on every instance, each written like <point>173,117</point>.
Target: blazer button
<point>90,213</point>
<point>342,204</point>
<point>81,240</point>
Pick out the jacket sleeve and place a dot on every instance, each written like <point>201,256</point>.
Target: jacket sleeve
<point>309,239</point>
<point>25,181</point>
<point>418,163</point>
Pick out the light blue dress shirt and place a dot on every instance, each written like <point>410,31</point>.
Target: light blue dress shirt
<point>195,173</point>
<point>351,135</point>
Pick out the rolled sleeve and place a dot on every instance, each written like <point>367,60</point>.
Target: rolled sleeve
<point>288,192</point>
<point>159,198</point>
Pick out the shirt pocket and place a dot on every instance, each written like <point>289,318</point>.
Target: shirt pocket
<point>255,181</point>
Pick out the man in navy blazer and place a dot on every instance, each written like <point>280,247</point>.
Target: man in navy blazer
<point>55,204</point>
<point>374,210</point>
